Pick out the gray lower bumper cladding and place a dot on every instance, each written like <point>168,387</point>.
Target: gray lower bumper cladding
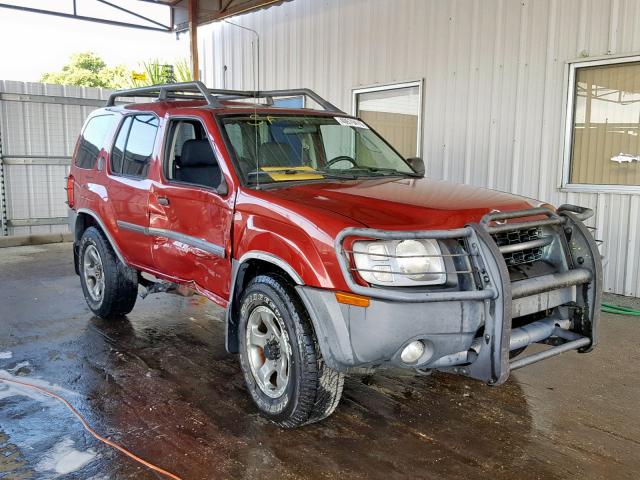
<point>469,331</point>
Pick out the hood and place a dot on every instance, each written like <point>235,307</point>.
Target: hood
<point>405,203</point>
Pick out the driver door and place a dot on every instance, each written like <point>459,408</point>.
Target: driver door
<point>190,213</point>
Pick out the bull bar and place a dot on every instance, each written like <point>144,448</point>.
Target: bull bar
<point>575,287</point>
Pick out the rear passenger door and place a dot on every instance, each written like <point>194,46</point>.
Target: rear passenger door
<point>190,211</point>
<point>128,186</point>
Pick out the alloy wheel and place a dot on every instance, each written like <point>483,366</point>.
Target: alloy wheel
<point>268,351</point>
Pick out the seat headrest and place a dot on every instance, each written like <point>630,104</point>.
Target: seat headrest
<point>275,154</point>
<point>197,153</point>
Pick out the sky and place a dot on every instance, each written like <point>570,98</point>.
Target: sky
<point>32,44</point>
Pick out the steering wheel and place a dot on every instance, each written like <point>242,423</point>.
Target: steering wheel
<point>341,158</point>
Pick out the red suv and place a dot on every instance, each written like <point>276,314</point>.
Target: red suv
<point>328,249</point>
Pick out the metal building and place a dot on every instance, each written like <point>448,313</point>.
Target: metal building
<point>485,91</point>
<point>39,126</point>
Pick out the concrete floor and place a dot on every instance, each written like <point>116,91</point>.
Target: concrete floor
<point>161,383</point>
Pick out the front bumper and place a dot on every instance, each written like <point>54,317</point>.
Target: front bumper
<point>468,329</point>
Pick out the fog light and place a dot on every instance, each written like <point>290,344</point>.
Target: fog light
<point>412,352</point>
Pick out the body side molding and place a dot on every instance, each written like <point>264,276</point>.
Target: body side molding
<point>179,237</point>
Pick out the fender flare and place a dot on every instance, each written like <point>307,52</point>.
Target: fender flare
<point>104,229</point>
<point>270,258</point>
<point>231,330</point>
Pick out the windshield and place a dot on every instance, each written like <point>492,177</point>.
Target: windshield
<point>280,148</point>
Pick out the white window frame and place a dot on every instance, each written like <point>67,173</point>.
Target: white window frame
<point>393,86</point>
<point>568,136</point>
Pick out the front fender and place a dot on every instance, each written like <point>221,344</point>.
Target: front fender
<point>282,244</point>
<point>286,246</point>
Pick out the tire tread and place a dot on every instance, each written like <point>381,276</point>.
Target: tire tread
<point>321,387</point>
<point>121,282</point>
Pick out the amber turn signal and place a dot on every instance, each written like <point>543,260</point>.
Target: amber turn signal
<point>352,299</point>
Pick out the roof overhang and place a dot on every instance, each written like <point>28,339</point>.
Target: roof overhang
<point>208,11</point>
<point>123,13</point>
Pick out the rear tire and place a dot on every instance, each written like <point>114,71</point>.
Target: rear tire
<point>280,357</point>
<point>110,287</point>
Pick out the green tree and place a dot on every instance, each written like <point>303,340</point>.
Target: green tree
<point>87,69</point>
<point>157,71</point>
<point>182,69</point>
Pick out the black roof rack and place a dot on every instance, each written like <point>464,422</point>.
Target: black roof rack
<point>198,91</point>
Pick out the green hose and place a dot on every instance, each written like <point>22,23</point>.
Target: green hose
<point>618,310</point>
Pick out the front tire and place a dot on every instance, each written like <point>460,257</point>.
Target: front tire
<point>280,358</point>
<point>110,287</point>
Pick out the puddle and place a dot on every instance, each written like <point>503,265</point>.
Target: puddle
<point>12,389</point>
<point>12,462</point>
<point>63,458</point>
<point>39,435</point>
<point>21,369</point>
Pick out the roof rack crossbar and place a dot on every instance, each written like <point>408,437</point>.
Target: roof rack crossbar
<point>270,94</point>
<point>213,96</point>
<point>162,92</point>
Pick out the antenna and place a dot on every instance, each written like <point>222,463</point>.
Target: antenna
<point>256,89</point>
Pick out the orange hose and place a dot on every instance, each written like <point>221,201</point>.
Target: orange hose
<point>91,430</point>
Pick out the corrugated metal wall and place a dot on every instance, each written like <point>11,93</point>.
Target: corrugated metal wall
<point>39,126</point>
<point>495,76</point>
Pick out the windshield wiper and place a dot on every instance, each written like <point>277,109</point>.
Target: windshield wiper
<point>293,171</point>
<point>382,171</point>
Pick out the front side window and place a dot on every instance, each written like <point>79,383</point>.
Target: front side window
<point>133,148</point>
<point>275,148</point>
<point>605,125</point>
<point>189,157</point>
<point>92,140</point>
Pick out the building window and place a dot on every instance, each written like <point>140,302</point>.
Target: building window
<point>602,150</point>
<point>395,112</point>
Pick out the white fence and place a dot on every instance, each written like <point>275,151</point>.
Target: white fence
<point>39,125</point>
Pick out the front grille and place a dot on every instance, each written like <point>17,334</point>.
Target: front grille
<point>514,237</point>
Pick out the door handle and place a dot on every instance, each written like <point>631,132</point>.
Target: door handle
<point>163,201</point>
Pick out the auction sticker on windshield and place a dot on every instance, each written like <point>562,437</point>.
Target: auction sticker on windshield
<point>280,174</point>
<point>351,122</point>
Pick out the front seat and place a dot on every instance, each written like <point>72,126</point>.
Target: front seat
<point>198,164</point>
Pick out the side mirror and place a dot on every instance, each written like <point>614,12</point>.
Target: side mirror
<point>417,164</point>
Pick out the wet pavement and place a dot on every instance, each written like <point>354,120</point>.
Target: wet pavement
<point>161,384</point>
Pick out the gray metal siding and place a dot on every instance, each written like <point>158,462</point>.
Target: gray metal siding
<point>37,138</point>
<point>495,75</point>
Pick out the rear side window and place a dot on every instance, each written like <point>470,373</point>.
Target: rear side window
<point>92,140</point>
<point>117,154</point>
<point>133,148</point>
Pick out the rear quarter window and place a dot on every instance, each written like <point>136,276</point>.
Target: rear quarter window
<point>93,139</point>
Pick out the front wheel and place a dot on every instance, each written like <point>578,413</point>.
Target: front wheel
<point>280,358</point>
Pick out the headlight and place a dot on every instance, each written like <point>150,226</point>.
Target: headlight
<point>400,263</point>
